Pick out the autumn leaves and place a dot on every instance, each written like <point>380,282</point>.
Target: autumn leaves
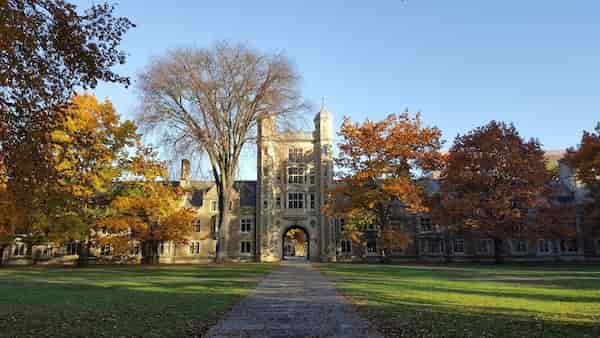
<point>491,180</point>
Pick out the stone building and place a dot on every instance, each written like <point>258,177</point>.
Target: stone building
<point>295,171</point>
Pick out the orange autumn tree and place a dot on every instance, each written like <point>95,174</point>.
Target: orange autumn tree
<point>56,178</point>
<point>379,164</point>
<point>7,206</point>
<point>145,209</point>
<point>492,180</point>
<point>585,160</point>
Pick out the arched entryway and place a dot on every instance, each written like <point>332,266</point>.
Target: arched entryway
<point>296,244</point>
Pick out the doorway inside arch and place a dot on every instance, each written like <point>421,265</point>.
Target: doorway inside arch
<point>296,244</point>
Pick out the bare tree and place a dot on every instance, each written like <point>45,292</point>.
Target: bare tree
<point>210,100</point>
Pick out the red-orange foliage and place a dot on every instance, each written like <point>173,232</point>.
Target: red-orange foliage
<point>585,160</point>
<point>379,163</point>
<point>492,183</point>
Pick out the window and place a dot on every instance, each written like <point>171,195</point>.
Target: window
<point>425,222</point>
<point>519,246</point>
<point>544,246</point>
<point>341,223</point>
<point>71,249</point>
<point>568,245</point>
<point>197,225</point>
<point>296,175</point>
<point>106,250</point>
<point>246,224</point>
<point>245,247</point>
<point>46,252</point>
<point>135,249</point>
<point>161,248</point>
<point>459,246</point>
<point>484,246</point>
<point>214,227</point>
<point>371,247</point>
<point>346,246</point>
<point>598,245</point>
<point>213,206</point>
<point>194,248</point>
<point>19,249</point>
<point>432,246</point>
<point>312,178</point>
<point>278,202</point>
<point>313,200</point>
<point>295,154</point>
<point>296,200</point>
<point>265,204</point>
<point>371,227</point>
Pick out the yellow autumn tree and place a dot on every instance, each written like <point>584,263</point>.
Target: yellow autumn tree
<point>379,166</point>
<point>146,209</point>
<point>58,176</point>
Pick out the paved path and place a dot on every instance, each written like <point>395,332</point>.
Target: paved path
<point>294,301</point>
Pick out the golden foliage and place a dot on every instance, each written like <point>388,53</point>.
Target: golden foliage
<point>379,162</point>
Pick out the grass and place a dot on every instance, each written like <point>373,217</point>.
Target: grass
<point>474,300</point>
<point>149,301</point>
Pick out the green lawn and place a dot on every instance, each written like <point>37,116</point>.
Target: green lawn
<point>475,300</point>
<point>154,301</point>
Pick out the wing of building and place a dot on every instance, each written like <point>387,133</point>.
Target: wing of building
<point>295,171</point>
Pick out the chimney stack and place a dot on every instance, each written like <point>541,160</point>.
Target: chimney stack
<point>186,171</point>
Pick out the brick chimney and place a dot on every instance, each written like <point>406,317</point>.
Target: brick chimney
<point>186,172</point>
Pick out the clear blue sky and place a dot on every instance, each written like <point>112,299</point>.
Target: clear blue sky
<point>461,63</point>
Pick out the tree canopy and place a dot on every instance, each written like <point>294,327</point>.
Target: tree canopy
<point>210,101</point>
<point>496,183</point>
<point>379,164</point>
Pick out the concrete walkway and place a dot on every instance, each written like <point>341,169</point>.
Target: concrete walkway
<point>295,301</point>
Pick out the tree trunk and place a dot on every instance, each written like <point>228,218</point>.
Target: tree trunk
<point>2,248</point>
<point>83,253</point>
<point>150,256</point>
<point>224,196</point>
<point>497,251</point>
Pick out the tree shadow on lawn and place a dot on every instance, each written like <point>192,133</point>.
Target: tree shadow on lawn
<point>430,320</point>
<point>75,303</point>
<point>403,285</point>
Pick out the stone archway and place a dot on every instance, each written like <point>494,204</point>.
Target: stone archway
<point>295,243</point>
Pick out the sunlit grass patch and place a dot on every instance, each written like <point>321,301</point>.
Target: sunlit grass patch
<point>475,300</point>
<point>148,301</point>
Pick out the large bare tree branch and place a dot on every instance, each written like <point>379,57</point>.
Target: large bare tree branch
<point>213,99</point>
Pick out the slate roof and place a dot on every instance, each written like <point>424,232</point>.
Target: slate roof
<point>246,189</point>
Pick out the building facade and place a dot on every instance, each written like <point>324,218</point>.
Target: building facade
<point>295,171</point>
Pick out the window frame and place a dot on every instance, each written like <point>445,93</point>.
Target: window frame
<point>197,225</point>
<point>19,249</point>
<point>246,224</point>
<point>295,154</point>
<point>423,221</point>
<point>194,248</point>
<point>454,246</point>
<point>346,247</point>
<point>214,206</point>
<point>297,202</point>
<point>515,247</point>
<point>245,247</point>
<point>296,174</point>
<point>540,246</point>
